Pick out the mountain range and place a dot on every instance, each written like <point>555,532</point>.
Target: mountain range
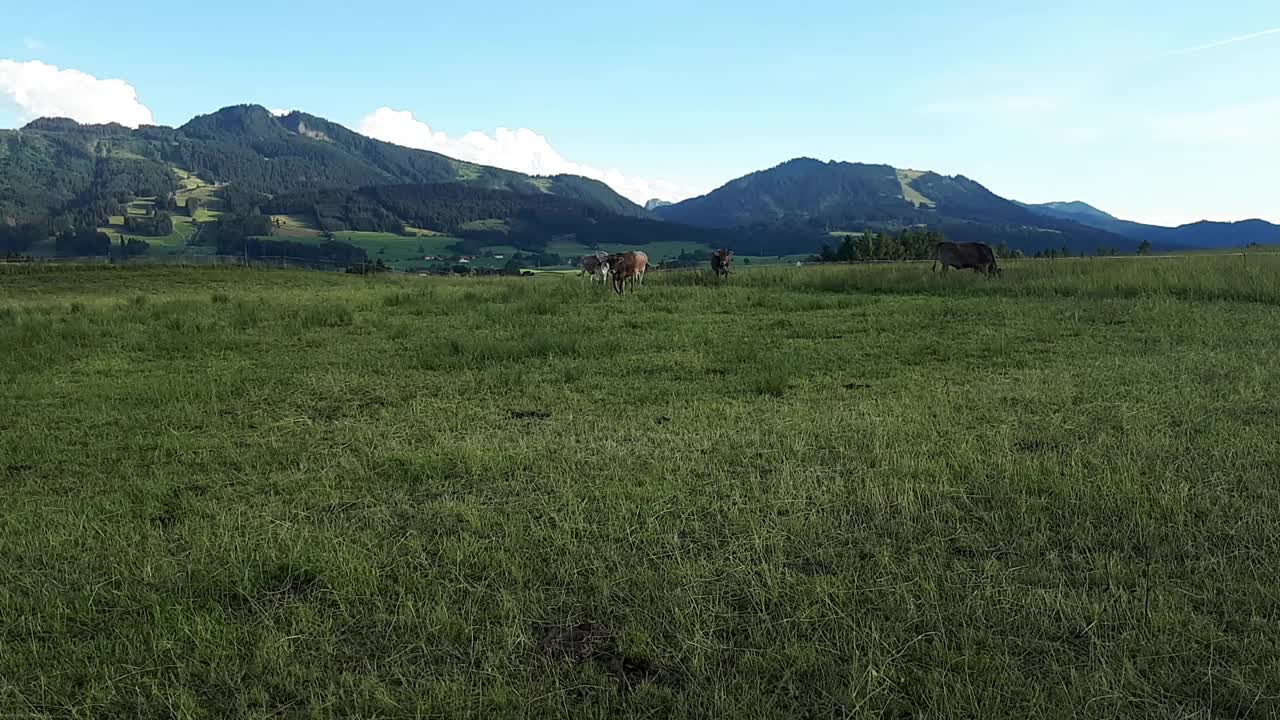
<point>65,174</point>
<point>847,195</point>
<point>1203,234</point>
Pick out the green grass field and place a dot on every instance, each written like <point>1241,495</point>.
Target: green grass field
<point>398,251</point>
<point>820,492</point>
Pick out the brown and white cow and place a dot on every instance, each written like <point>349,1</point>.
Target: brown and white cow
<point>975,256</point>
<point>597,266</point>
<point>722,262</point>
<point>627,267</point>
<point>642,266</point>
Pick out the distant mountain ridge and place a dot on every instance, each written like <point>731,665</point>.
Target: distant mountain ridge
<point>838,196</point>
<point>1201,235</point>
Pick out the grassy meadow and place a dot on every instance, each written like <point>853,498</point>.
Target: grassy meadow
<point>834,492</point>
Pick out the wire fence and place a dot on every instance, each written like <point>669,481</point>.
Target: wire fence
<point>279,261</point>
<point>284,261</point>
<point>1243,254</point>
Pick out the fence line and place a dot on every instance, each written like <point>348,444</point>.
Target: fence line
<point>282,261</point>
<point>809,263</point>
<point>276,261</point>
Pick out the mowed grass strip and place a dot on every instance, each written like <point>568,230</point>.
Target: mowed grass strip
<point>818,492</point>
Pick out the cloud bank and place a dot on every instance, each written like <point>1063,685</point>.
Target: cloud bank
<point>35,89</point>
<point>522,150</point>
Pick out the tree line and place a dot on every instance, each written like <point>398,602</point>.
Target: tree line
<point>916,244</point>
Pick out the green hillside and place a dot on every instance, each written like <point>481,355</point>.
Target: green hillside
<point>61,170</point>
<point>454,219</point>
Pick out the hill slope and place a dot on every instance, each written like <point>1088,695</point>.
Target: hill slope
<point>481,217</point>
<point>1203,234</point>
<point>841,196</point>
<point>53,166</point>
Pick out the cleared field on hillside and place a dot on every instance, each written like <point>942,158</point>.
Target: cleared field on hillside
<point>173,243</point>
<point>396,250</point>
<point>656,250</point>
<point>820,492</point>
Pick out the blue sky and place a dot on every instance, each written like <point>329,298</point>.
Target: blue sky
<point>1157,111</point>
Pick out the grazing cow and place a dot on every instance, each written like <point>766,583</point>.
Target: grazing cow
<point>721,262</point>
<point>642,266</point>
<point>967,256</point>
<point>629,266</point>
<point>597,266</point>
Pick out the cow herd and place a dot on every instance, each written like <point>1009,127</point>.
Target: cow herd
<point>628,268</point>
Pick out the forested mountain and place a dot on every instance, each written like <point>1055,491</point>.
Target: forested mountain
<point>74,173</point>
<point>1195,235</point>
<point>249,147</point>
<point>841,196</point>
<point>56,167</point>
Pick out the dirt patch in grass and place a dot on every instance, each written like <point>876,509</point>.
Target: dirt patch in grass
<point>590,643</point>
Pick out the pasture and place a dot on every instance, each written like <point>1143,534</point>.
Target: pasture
<point>821,492</point>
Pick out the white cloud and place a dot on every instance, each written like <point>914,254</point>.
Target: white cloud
<point>280,113</point>
<point>1251,123</point>
<point>522,150</point>
<point>35,89</point>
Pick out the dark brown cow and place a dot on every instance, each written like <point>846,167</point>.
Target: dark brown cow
<point>628,266</point>
<point>722,262</point>
<point>975,256</point>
